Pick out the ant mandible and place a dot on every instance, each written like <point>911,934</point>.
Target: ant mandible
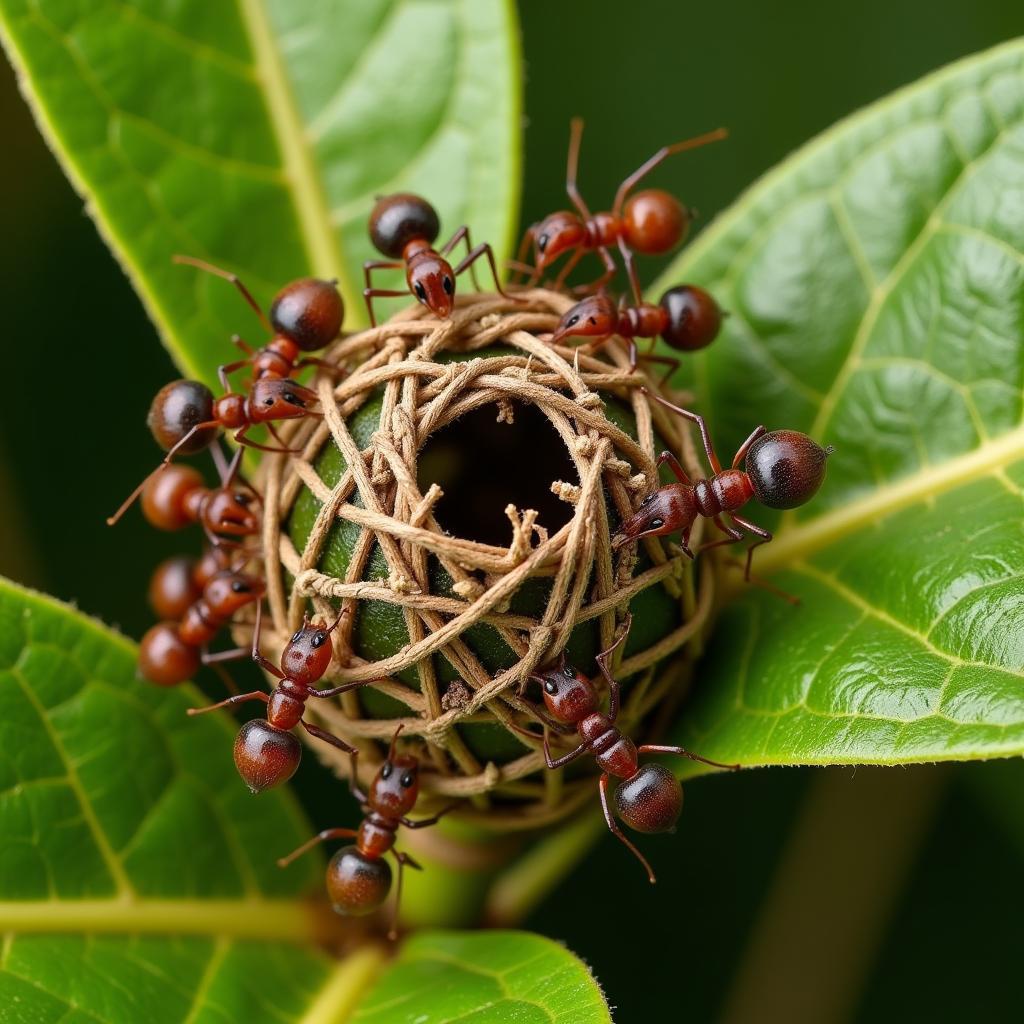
<point>404,227</point>
<point>781,469</point>
<point>648,797</point>
<point>651,222</point>
<point>358,877</point>
<point>178,582</point>
<point>171,652</point>
<point>305,315</point>
<point>184,419</point>
<point>267,752</point>
<point>687,318</point>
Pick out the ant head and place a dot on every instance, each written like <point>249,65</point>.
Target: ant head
<point>432,280</point>
<point>397,220</point>
<point>308,312</point>
<point>568,695</point>
<point>663,511</point>
<point>265,756</point>
<point>308,654</point>
<point>176,409</point>
<point>274,399</point>
<point>173,587</point>
<point>651,800</point>
<point>229,510</point>
<point>786,468</point>
<point>654,221</point>
<point>229,591</point>
<point>397,783</point>
<point>357,884</point>
<point>693,318</point>
<point>596,316</point>
<point>167,496</point>
<point>555,234</point>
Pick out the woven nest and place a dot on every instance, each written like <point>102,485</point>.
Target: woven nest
<point>399,364</point>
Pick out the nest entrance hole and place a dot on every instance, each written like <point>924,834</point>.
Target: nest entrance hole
<point>482,465</point>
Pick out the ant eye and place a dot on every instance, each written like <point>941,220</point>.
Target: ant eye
<point>647,500</point>
<point>550,687</point>
<point>318,638</point>
<point>657,523</point>
<point>385,770</point>
<point>542,243</point>
<point>268,401</point>
<point>239,587</point>
<point>242,499</point>
<point>296,635</point>
<point>449,285</point>
<point>292,399</point>
<point>593,321</point>
<point>421,292</point>
<point>406,780</point>
<point>573,321</point>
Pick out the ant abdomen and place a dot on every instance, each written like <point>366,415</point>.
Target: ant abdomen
<point>176,409</point>
<point>308,312</point>
<point>786,468</point>
<point>174,587</point>
<point>654,221</point>
<point>165,658</point>
<point>399,219</point>
<point>651,800</point>
<point>164,498</point>
<point>265,756</point>
<point>357,884</point>
<point>694,318</point>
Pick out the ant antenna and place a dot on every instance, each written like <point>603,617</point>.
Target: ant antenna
<point>209,268</point>
<point>394,740</point>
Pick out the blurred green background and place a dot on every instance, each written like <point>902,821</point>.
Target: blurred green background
<point>787,895</point>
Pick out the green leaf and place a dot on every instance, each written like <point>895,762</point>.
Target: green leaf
<point>138,878</point>
<point>875,283</point>
<point>255,133</point>
<point>479,978</point>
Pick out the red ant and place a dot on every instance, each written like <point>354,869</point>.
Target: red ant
<point>178,582</point>
<point>404,227</point>
<point>687,318</point>
<point>650,222</point>
<point>184,418</point>
<point>267,752</point>
<point>305,315</point>
<point>649,798</point>
<point>358,877</point>
<point>781,469</point>
<point>171,652</point>
<point>177,496</point>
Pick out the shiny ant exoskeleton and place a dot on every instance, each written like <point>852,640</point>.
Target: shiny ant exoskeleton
<point>305,315</point>
<point>185,418</point>
<point>651,222</point>
<point>648,797</point>
<point>266,751</point>
<point>178,582</point>
<point>358,877</point>
<point>686,317</point>
<point>171,652</point>
<point>781,469</point>
<point>404,227</point>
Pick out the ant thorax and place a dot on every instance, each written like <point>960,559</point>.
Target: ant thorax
<point>725,492</point>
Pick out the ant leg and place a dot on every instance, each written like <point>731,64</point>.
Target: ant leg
<point>602,663</point>
<point>327,737</point>
<point>267,666</point>
<point>369,294</point>
<point>239,342</point>
<point>462,233</point>
<point>731,538</point>
<point>673,464</point>
<point>228,368</point>
<point>321,837</point>
<point>684,544</point>
<point>403,859</point>
<point>228,276</point>
<point>741,452</point>
<point>229,683</point>
<point>484,249</point>
<point>648,165</point>
<point>567,269</point>
<point>229,472</point>
<point>242,438</point>
<point>238,698</point>
<point>519,264</point>
<point>598,283</point>
<point>630,265</point>
<point>353,781</point>
<point>233,654</point>
<point>616,831</point>
<point>658,748</point>
<point>670,362</point>
<point>709,448</point>
<point>424,822</point>
<point>557,762</point>
<point>368,267</point>
<point>572,166</point>
<point>748,576</point>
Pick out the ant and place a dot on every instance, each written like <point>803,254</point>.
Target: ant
<point>404,227</point>
<point>171,652</point>
<point>184,419</point>
<point>687,318</point>
<point>651,222</point>
<point>177,496</point>
<point>305,315</point>
<point>178,582</point>
<point>781,469</point>
<point>649,798</point>
<point>266,751</point>
<point>358,877</point>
